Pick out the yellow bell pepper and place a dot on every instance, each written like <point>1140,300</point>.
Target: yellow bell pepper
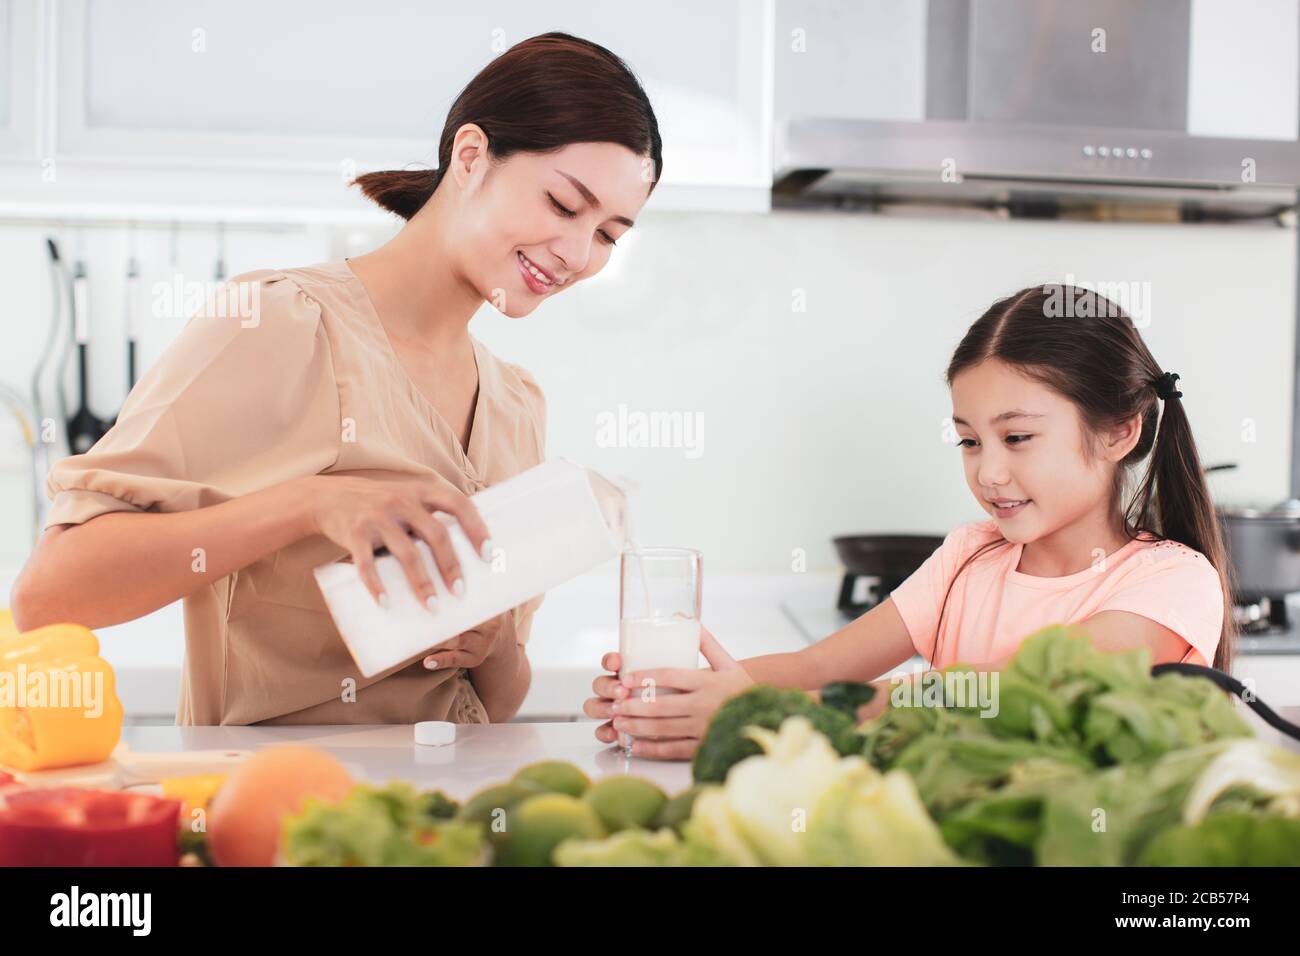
<point>47,644</point>
<point>58,700</point>
<point>194,792</point>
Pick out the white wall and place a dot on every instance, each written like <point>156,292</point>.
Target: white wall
<point>816,423</point>
<point>829,421</point>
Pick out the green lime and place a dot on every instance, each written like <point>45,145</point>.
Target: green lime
<point>483,806</point>
<point>625,802</point>
<point>677,810</point>
<point>555,776</point>
<point>539,824</point>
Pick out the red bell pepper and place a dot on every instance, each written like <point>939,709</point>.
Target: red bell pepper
<point>70,826</point>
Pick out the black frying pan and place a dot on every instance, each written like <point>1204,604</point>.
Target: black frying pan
<point>890,558</point>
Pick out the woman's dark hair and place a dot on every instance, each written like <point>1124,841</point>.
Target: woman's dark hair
<point>1086,348</point>
<point>540,95</point>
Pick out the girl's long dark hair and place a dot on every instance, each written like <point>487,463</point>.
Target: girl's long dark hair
<point>540,95</point>
<point>1086,348</point>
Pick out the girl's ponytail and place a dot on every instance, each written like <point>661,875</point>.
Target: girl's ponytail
<point>1174,500</point>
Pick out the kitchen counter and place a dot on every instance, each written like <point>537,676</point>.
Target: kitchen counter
<point>378,753</point>
<point>482,754</point>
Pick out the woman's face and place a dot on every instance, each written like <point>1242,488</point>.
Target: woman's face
<point>1025,447</point>
<point>535,224</point>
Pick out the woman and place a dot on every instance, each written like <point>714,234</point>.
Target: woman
<point>350,409</point>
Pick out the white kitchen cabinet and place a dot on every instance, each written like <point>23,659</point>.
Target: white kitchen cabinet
<point>20,32</point>
<point>285,102</point>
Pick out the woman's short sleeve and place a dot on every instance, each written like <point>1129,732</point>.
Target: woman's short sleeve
<point>244,398</point>
<point>919,599</point>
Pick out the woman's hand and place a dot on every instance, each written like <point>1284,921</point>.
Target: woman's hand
<point>676,722</point>
<point>474,646</point>
<point>362,514</point>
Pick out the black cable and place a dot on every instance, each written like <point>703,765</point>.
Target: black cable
<point>1237,689</point>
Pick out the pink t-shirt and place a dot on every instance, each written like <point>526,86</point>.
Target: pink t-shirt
<point>992,607</point>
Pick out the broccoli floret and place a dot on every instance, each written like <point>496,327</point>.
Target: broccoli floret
<point>725,743</point>
<point>438,805</point>
<point>847,696</point>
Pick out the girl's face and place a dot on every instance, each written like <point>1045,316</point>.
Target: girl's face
<point>535,224</point>
<point>1026,452</point>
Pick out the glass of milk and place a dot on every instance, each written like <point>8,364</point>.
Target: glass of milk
<point>659,615</point>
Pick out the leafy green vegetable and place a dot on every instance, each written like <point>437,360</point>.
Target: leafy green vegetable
<point>951,771</point>
<point>800,803</point>
<point>381,826</point>
<point>1086,759</point>
<point>1228,839</point>
<point>726,742</point>
<point>1249,773</point>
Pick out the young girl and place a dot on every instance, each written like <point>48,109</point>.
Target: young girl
<point>1055,400</point>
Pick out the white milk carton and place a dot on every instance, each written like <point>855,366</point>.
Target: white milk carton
<point>548,524</point>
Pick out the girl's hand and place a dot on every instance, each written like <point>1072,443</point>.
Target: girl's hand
<point>362,514</point>
<point>677,722</point>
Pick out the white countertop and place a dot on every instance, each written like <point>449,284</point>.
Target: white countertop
<point>377,753</point>
<point>482,754</point>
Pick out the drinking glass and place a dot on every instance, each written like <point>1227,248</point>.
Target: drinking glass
<point>659,615</point>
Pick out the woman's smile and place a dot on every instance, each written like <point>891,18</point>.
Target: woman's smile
<point>536,278</point>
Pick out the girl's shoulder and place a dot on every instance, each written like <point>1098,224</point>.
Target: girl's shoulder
<point>1150,556</point>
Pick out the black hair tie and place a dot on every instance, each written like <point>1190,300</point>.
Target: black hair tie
<point>1165,389</point>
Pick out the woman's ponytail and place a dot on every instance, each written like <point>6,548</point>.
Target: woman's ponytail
<point>539,96</point>
<point>403,191</point>
<point>1174,500</point>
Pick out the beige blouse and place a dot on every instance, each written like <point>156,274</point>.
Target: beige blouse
<point>307,383</point>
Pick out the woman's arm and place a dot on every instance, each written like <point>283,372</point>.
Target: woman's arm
<point>122,565</point>
<point>125,564</point>
<point>502,681</point>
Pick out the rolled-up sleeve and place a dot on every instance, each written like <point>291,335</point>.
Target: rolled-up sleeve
<point>244,398</point>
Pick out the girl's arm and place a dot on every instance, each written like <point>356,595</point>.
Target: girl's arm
<point>1124,631</point>
<point>862,650</point>
<point>1115,631</point>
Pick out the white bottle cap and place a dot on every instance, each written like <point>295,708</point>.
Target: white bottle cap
<point>435,733</point>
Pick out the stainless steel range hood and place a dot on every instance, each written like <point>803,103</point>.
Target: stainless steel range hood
<point>1169,109</point>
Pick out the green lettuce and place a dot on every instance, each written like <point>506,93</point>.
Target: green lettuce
<point>393,825</point>
<point>1228,839</point>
